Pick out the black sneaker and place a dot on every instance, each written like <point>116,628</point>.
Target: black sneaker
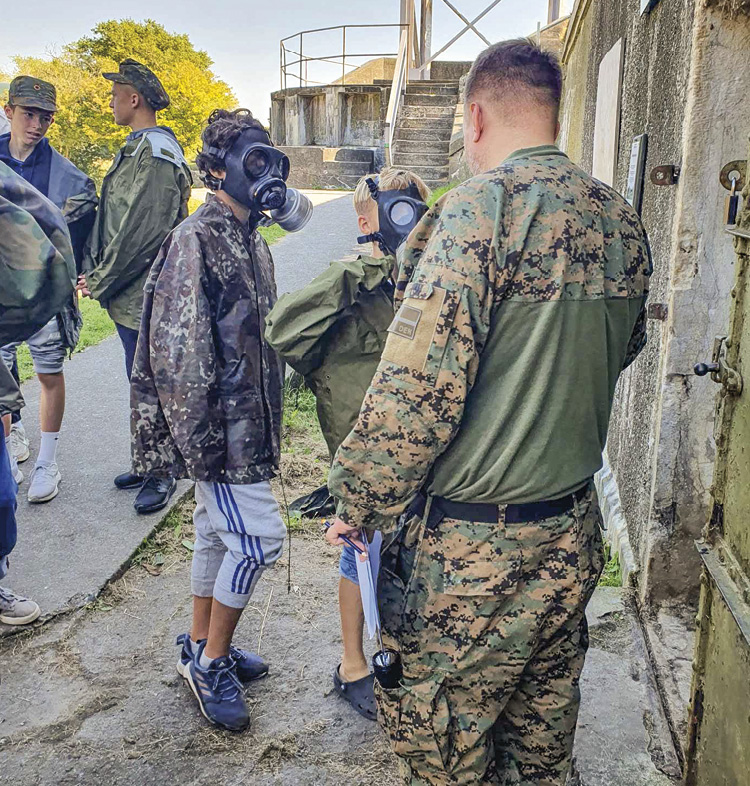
<point>129,480</point>
<point>154,495</point>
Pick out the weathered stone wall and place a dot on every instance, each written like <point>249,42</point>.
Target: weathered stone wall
<point>675,89</point>
<point>330,116</point>
<point>328,167</point>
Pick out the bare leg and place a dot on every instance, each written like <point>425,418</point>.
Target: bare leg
<point>224,620</point>
<point>6,425</point>
<point>201,617</point>
<point>353,662</point>
<point>52,401</point>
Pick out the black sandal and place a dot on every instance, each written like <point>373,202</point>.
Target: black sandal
<point>360,694</point>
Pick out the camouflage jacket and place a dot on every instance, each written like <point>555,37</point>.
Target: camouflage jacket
<point>74,192</point>
<point>521,298</point>
<point>144,195</point>
<point>333,332</point>
<point>37,268</point>
<point>206,390</point>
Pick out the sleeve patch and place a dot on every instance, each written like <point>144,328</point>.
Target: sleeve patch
<point>406,321</point>
<point>411,336</point>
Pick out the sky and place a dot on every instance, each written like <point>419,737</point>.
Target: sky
<point>243,38</point>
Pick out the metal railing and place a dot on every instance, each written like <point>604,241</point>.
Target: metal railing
<point>398,88</point>
<point>297,70</point>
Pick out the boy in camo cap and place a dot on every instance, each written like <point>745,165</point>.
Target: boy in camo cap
<point>144,196</point>
<point>31,108</point>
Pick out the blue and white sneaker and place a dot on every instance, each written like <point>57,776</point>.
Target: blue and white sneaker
<point>250,667</point>
<point>219,692</point>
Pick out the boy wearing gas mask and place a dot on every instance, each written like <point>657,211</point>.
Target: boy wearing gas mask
<point>332,332</point>
<point>206,395</point>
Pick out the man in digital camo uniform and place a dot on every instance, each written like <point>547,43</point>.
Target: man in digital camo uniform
<point>144,196</point>
<point>521,300</point>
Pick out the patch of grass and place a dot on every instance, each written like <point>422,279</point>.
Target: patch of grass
<point>612,573</point>
<point>169,542</point>
<point>96,327</point>
<point>300,413</point>
<point>438,192</point>
<point>272,234</point>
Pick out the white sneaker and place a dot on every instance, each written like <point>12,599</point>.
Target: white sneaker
<point>17,475</point>
<point>19,442</point>
<point>15,610</point>
<point>44,483</point>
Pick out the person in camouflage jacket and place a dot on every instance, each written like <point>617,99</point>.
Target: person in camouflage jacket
<point>37,276</point>
<point>206,398</point>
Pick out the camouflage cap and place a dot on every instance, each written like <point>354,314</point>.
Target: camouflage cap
<point>144,80</point>
<point>34,93</point>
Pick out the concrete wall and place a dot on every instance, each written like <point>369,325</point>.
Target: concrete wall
<point>382,68</point>
<point>329,116</point>
<point>683,84</point>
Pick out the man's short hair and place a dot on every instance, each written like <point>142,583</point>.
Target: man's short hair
<point>516,69</point>
<point>221,132</point>
<point>389,179</point>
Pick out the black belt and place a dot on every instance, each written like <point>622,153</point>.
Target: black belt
<point>488,513</point>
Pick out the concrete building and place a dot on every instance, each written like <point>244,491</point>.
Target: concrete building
<point>663,84</point>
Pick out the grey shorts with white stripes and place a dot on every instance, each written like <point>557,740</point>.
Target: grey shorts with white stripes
<point>238,533</point>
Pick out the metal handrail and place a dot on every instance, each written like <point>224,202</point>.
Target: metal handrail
<point>285,65</point>
<point>398,86</point>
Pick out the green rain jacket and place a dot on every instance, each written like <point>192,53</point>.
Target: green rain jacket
<point>333,332</point>
<point>37,268</point>
<point>144,196</point>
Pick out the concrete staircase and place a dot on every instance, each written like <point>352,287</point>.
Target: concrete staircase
<point>423,130</point>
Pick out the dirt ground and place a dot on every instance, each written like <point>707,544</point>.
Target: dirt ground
<point>94,698</point>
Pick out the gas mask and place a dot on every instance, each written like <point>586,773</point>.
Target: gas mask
<point>399,211</point>
<point>256,174</point>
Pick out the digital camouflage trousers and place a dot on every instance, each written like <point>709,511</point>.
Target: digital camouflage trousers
<point>489,620</point>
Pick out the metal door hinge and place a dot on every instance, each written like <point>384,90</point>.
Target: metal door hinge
<point>666,175</point>
<point>729,379</point>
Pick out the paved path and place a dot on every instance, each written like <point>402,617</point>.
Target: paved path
<point>330,235</point>
<point>68,549</point>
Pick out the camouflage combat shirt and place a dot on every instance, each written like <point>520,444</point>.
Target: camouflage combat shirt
<point>521,298</point>
<point>206,390</point>
<point>144,195</point>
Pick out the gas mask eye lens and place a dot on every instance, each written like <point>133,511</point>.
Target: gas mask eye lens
<point>402,214</point>
<point>284,166</point>
<point>256,163</point>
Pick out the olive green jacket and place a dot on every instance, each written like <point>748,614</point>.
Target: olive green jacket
<point>333,332</point>
<point>144,196</point>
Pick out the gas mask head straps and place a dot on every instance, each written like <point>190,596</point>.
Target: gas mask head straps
<point>255,171</point>
<point>399,211</point>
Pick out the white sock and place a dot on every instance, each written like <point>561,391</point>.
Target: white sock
<point>191,646</point>
<point>48,448</point>
<point>204,662</point>
<point>13,462</point>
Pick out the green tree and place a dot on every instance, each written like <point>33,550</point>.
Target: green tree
<point>84,130</point>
